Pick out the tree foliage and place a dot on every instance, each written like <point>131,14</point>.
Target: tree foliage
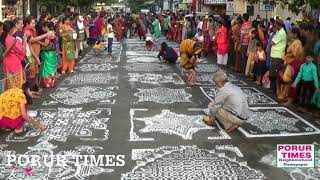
<point>295,6</point>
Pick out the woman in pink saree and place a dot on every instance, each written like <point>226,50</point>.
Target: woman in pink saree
<point>13,55</point>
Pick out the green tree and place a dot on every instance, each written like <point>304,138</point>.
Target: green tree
<point>295,6</point>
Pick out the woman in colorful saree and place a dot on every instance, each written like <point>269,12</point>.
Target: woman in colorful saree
<point>13,108</point>
<point>34,45</point>
<point>119,28</point>
<point>49,57</point>
<point>293,59</point>
<point>68,46</point>
<point>189,51</point>
<point>13,55</point>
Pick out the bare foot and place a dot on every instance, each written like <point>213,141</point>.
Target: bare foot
<point>232,128</point>
<point>287,104</point>
<point>280,97</point>
<point>18,131</point>
<point>42,127</point>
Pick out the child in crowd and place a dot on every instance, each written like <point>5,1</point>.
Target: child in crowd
<point>307,79</point>
<point>250,53</point>
<point>149,43</point>
<point>259,67</point>
<point>199,37</point>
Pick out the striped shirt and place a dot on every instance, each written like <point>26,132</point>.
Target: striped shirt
<point>245,30</point>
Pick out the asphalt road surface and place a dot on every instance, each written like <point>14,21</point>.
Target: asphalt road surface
<point>132,117</point>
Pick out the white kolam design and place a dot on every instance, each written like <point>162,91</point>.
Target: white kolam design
<point>91,78</point>
<point>62,123</point>
<point>147,67</point>
<point>155,79</point>
<point>85,94</point>
<point>96,67</point>
<point>254,97</point>
<point>276,121</point>
<point>143,59</point>
<point>206,79</point>
<point>101,57</point>
<point>189,162</point>
<point>170,123</point>
<point>163,95</point>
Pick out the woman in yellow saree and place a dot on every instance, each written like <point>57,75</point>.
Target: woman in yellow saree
<point>189,51</point>
<point>292,62</point>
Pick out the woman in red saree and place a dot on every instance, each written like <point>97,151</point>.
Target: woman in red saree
<point>171,29</point>
<point>12,57</point>
<point>119,28</point>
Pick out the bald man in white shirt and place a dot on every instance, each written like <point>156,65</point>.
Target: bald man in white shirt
<point>230,105</point>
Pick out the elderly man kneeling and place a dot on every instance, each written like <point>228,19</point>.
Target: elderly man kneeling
<point>230,105</point>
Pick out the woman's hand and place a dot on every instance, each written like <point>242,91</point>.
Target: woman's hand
<point>25,38</point>
<point>294,85</point>
<point>38,61</point>
<point>35,94</point>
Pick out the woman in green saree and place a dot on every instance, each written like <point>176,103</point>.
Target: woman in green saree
<point>157,28</point>
<point>49,57</point>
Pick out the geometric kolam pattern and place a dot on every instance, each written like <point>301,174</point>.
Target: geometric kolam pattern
<point>91,78</point>
<point>86,94</point>
<point>189,163</point>
<point>52,171</point>
<point>206,79</point>
<point>163,95</point>
<point>142,56</point>
<point>147,67</point>
<point>96,67</point>
<point>254,97</point>
<point>155,79</point>
<point>62,123</point>
<point>167,122</point>
<point>276,121</point>
<point>146,59</point>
